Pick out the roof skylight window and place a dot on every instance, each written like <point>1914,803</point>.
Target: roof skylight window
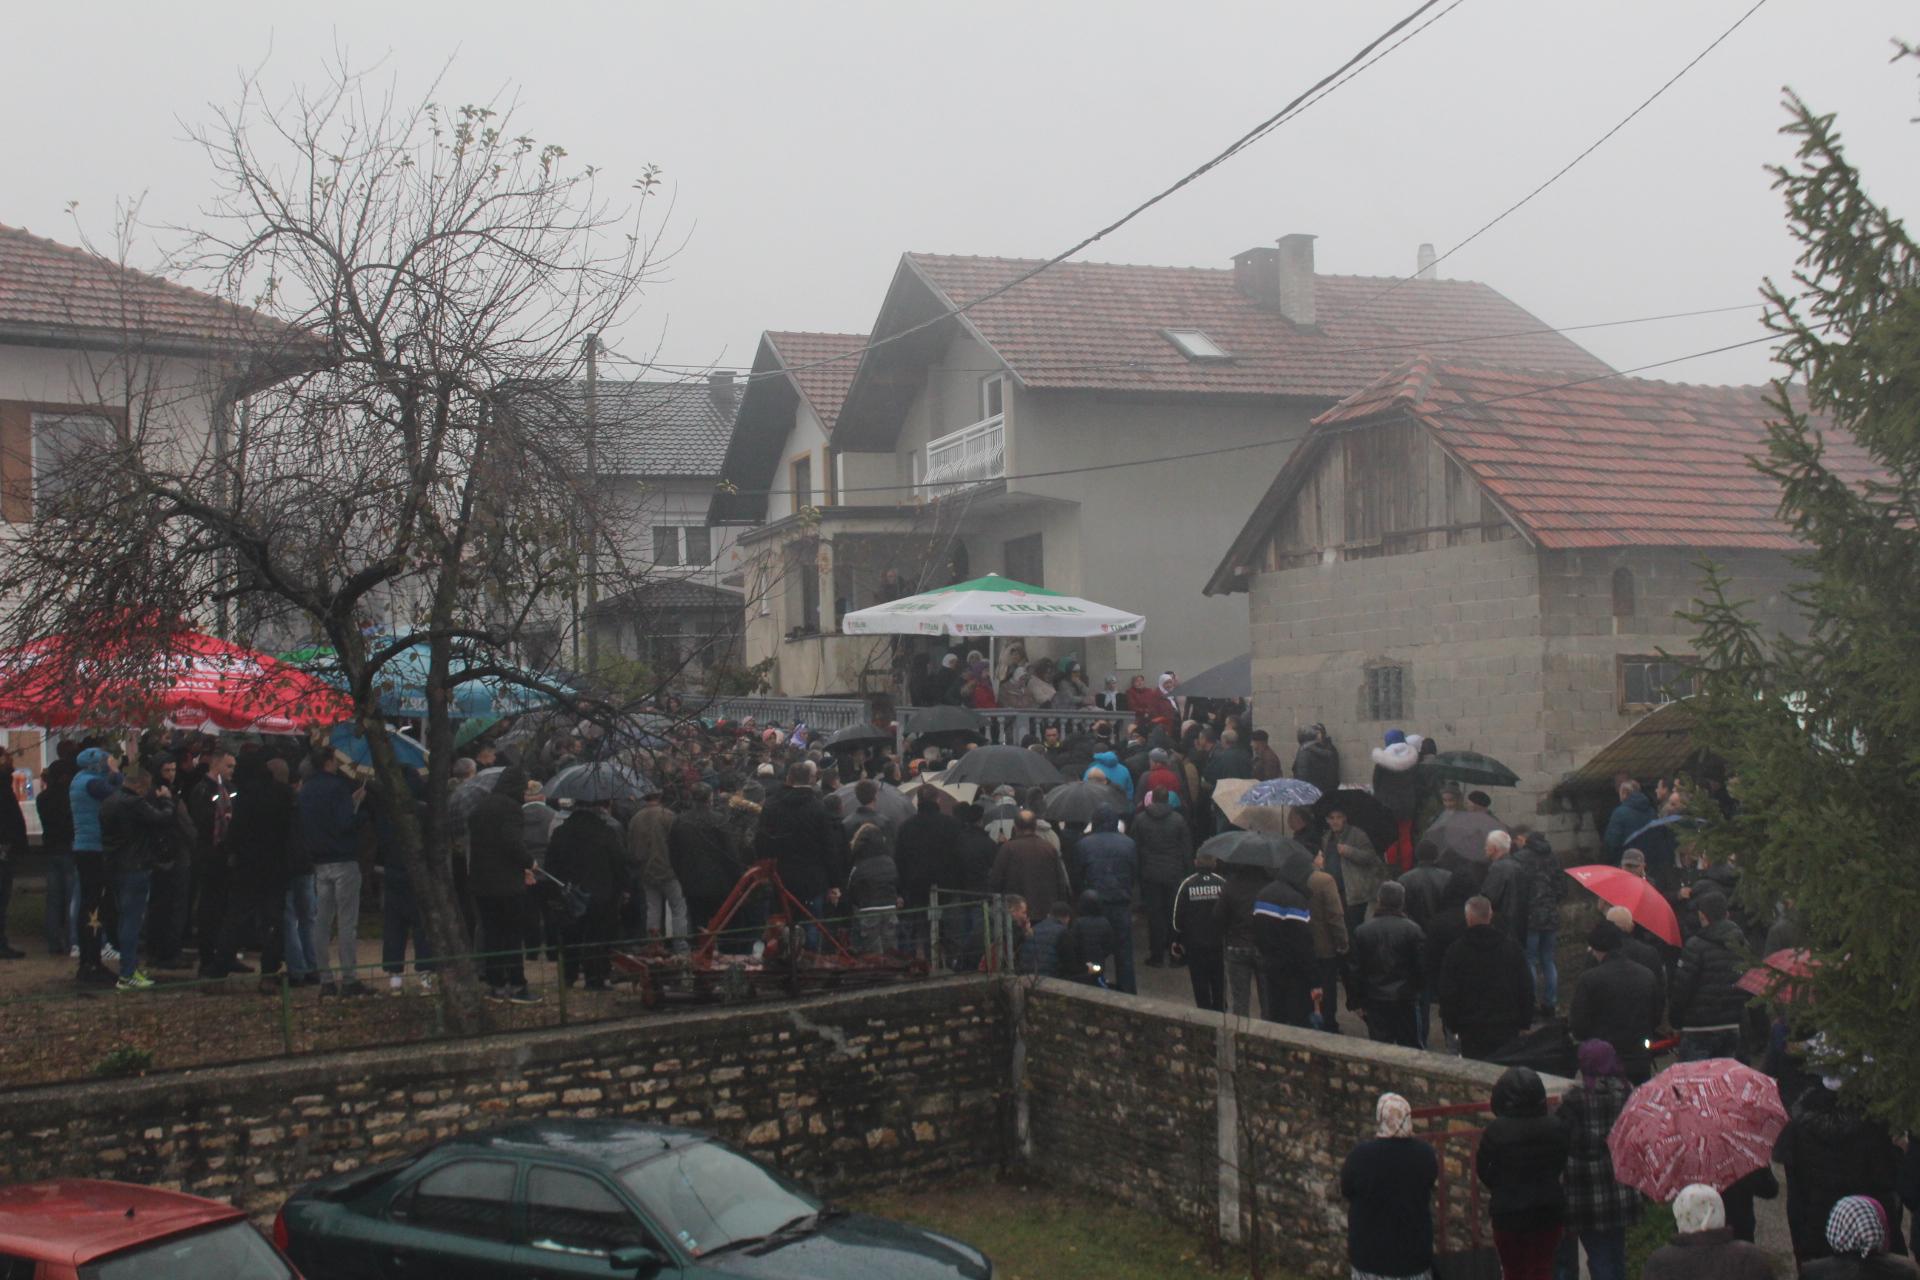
<point>1196,345</point>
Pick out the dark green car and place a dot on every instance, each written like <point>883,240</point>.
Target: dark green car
<point>547,1199</point>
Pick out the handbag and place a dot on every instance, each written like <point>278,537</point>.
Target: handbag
<point>573,900</point>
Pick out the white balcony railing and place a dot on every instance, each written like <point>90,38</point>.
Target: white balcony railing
<point>968,457</point>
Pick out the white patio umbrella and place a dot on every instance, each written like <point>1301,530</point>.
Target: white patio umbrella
<point>992,606</point>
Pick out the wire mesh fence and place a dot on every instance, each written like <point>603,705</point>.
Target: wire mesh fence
<point>86,1032</point>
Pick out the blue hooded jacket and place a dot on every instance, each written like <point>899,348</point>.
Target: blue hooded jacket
<point>93,784</point>
<point>1118,774</point>
<point>1108,860</point>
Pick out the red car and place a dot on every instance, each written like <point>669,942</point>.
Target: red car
<point>80,1229</point>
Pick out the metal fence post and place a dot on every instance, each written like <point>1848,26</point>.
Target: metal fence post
<point>560,985</point>
<point>933,927</point>
<point>286,1013</point>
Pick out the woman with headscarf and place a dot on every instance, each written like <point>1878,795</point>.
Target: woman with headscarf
<point>1014,691</point>
<point>1857,1232</point>
<point>1599,1209</point>
<point>976,686</point>
<point>1388,1184</point>
<point>1070,687</point>
<point>1705,1248</point>
<point>1521,1160</point>
<point>1154,706</point>
<point>1831,1149</point>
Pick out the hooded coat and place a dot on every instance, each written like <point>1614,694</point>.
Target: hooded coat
<point>587,850</point>
<point>95,781</point>
<point>1830,1152</point>
<point>1523,1156</point>
<point>1283,933</point>
<point>1546,883</point>
<point>1395,784</point>
<point>1317,762</point>
<point>1704,994</point>
<point>1108,762</point>
<point>1164,843</point>
<point>1109,861</point>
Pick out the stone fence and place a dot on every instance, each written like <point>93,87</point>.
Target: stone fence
<point>1183,1114</point>
<point>862,1090</point>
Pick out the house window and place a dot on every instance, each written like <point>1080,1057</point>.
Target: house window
<point>1645,682</point>
<point>67,447</point>
<point>993,396</point>
<point>1196,345</point>
<point>1623,593</point>
<point>1023,560</point>
<point>1385,694</point>
<point>830,477</point>
<point>666,544</point>
<point>699,544</point>
<point>802,481</point>
<point>803,587</point>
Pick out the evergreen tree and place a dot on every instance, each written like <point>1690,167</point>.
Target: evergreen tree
<point>1821,730</point>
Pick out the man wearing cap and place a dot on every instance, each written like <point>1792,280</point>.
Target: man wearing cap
<point>1706,1006</point>
<point>1618,1001</point>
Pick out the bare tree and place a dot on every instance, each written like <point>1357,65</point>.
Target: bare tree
<point>421,284</point>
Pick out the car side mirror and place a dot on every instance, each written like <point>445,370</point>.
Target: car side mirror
<point>637,1260</point>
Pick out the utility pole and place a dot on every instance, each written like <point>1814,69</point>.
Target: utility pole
<point>593,496</point>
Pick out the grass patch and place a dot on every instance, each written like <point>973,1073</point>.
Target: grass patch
<point>1041,1233</point>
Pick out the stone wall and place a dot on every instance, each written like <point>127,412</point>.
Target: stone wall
<point>869,1089</point>
<point>1182,1113</point>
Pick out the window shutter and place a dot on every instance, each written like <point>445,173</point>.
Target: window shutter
<point>16,463</point>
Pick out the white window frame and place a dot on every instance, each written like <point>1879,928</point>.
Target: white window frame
<point>1187,341</point>
<point>987,384</point>
<point>33,439</point>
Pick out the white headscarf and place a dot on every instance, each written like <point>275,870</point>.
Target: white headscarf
<point>1393,1116</point>
<point>1698,1208</point>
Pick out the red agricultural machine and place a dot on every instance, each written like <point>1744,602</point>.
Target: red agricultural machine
<point>782,961</point>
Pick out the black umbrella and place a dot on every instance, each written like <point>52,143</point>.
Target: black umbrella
<point>1076,802</point>
<point>989,767</point>
<point>1231,679</point>
<point>1472,767</point>
<point>1364,812</point>
<point>889,802</point>
<point>925,722</point>
<point>1246,849</point>
<point>597,783</point>
<point>858,737</point>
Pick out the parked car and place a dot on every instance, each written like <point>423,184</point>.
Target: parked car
<point>554,1199</point>
<point>80,1229</point>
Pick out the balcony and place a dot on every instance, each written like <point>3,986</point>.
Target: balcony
<point>965,458</point>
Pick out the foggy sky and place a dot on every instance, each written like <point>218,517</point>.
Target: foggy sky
<point>806,146</point>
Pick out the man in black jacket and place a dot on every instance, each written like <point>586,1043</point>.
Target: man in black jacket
<point>1282,919</point>
<point>924,856</point>
<point>1317,761</point>
<point>1200,932</point>
<point>705,860</point>
<point>1618,1001</point>
<point>1165,846</point>
<point>135,824</point>
<point>1705,1006</point>
<point>1387,971</point>
<point>588,852</point>
<point>1507,886</point>
<point>797,835</point>
<point>1486,990</point>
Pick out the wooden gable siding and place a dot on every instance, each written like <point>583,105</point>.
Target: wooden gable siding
<point>1386,489</point>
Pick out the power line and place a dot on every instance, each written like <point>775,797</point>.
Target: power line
<point>1462,411</point>
<point>1592,147</point>
<point>1313,93</point>
<point>1181,362</point>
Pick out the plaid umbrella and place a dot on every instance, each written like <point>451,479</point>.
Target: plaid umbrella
<point>1713,1121</point>
<point>1769,980</point>
<point>1471,766</point>
<point>1277,791</point>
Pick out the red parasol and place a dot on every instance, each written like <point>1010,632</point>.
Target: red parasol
<point>1712,1121</point>
<point>187,679</point>
<point>1769,980</point>
<point>1624,889</point>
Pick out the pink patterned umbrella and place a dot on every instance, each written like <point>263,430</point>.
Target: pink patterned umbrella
<point>1713,1122</point>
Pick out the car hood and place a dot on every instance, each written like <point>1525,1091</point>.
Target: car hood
<point>857,1247</point>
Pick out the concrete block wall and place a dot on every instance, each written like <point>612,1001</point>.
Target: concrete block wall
<point>1464,621</point>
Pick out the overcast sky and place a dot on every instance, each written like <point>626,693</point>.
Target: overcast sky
<point>808,145</point>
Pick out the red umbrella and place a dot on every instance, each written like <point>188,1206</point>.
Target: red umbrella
<point>1767,981</point>
<point>1624,889</point>
<point>188,679</point>
<point>1713,1121</point>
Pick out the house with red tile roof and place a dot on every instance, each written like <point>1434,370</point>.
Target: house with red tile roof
<point>1100,429</point>
<point>1494,557</point>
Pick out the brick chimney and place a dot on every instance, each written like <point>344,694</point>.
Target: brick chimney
<point>1296,280</point>
<point>720,387</point>
<point>1424,261</point>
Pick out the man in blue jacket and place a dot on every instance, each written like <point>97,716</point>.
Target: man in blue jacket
<point>91,786</point>
<point>1109,865</point>
<point>1633,812</point>
<point>329,820</point>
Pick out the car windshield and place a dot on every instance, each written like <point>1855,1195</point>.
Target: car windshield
<point>232,1251</point>
<point>706,1197</point>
